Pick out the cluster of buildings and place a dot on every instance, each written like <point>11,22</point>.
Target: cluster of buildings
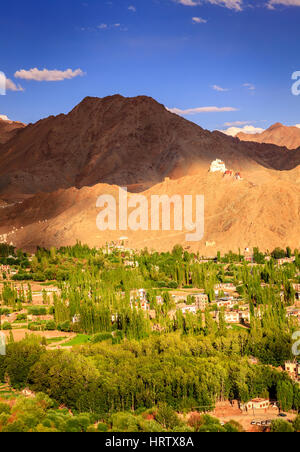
<point>218,166</point>
<point>131,263</point>
<point>200,302</point>
<point>122,244</point>
<point>226,300</point>
<point>235,316</point>
<point>192,303</point>
<point>139,300</point>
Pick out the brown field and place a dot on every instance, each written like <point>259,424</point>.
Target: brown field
<point>19,335</point>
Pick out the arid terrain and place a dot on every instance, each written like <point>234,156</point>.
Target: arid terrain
<point>135,142</point>
<point>52,172</point>
<point>238,214</point>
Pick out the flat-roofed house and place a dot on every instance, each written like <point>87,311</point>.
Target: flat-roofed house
<point>257,404</point>
<point>191,309</point>
<point>293,369</point>
<point>218,166</point>
<point>201,301</point>
<point>226,303</point>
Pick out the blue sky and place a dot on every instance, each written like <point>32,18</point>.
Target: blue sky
<point>235,55</point>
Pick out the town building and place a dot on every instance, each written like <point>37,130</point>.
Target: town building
<point>201,301</point>
<point>257,404</point>
<point>179,298</point>
<point>227,302</point>
<point>139,300</point>
<point>225,286</point>
<point>184,308</point>
<point>132,264</point>
<point>138,295</point>
<point>249,259</point>
<point>159,300</point>
<point>285,260</point>
<point>294,313</point>
<point>245,316</point>
<point>230,317</point>
<point>210,244</point>
<point>293,369</point>
<point>143,305</point>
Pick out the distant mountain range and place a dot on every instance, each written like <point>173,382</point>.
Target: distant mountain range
<point>278,134</point>
<point>58,167</point>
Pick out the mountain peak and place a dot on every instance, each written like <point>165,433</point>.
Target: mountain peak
<point>278,134</point>
<point>112,105</point>
<point>125,141</point>
<point>277,125</point>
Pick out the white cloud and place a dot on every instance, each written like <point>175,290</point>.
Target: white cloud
<point>132,8</point>
<point>236,123</point>
<point>117,26</point>
<point>46,75</point>
<point>272,3</point>
<point>199,20</point>
<point>11,86</point>
<point>231,4</point>
<point>4,118</point>
<point>219,88</point>
<point>233,131</point>
<point>250,86</point>
<point>188,2</point>
<point>195,111</point>
<point>297,125</point>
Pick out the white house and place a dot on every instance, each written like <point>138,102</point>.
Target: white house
<point>257,404</point>
<point>201,301</point>
<point>192,309</point>
<point>230,317</point>
<point>218,166</point>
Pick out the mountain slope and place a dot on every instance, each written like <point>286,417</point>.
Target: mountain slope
<point>277,134</point>
<point>124,141</point>
<point>8,129</point>
<point>238,214</point>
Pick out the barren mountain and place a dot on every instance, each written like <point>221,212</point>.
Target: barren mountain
<point>276,134</point>
<point>238,214</point>
<point>124,141</point>
<point>52,172</point>
<point>8,129</point>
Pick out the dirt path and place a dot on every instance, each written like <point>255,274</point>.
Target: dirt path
<point>57,345</point>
